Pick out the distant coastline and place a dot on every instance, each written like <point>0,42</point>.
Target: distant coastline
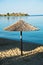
<point>19,14</point>
<point>15,14</point>
<point>37,15</point>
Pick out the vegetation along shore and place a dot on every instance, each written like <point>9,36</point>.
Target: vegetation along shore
<point>15,14</point>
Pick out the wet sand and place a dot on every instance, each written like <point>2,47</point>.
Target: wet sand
<point>10,53</point>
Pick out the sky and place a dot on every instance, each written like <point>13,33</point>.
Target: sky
<point>23,6</point>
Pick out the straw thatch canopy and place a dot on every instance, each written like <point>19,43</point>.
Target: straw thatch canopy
<point>21,26</point>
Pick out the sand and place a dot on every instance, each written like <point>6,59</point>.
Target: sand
<point>10,53</point>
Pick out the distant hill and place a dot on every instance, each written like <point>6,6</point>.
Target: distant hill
<point>14,14</point>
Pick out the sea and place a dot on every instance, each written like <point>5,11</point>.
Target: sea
<point>27,36</point>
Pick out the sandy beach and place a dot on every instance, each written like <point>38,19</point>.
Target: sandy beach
<point>10,53</point>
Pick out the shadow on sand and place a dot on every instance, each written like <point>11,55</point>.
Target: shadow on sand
<point>6,44</point>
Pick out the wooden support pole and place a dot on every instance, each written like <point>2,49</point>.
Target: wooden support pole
<point>21,42</point>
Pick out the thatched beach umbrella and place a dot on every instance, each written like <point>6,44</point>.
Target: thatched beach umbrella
<point>21,26</point>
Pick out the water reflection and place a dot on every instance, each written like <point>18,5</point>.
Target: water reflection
<point>14,18</point>
<point>8,17</point>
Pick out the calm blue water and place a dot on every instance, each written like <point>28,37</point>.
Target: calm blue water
<point>30,36</point>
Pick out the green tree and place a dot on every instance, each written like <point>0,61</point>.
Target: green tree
<point>8,14</point>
